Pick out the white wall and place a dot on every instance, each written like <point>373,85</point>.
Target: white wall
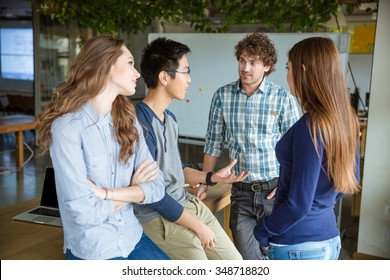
<point>361,65</point>
<point>374,225</point>
<point>193,113</point>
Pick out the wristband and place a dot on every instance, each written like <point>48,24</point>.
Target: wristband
<point>106,197</point>
<point>208,179</point>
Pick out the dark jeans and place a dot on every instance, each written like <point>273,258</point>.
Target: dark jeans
<point>247,209</point>
<point>144,250</point>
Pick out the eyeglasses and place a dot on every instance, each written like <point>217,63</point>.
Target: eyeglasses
<point>187,73</point>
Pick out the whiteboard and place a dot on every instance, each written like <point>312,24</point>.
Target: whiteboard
<point>213,64</point>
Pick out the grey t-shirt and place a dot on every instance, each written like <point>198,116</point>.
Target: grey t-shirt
<point>162,140</point>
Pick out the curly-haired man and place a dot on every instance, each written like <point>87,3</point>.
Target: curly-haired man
<point>250,115</point>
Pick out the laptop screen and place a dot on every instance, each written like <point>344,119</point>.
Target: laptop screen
<point>49,193</point>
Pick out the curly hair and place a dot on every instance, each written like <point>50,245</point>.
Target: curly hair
<point>258,44</point>
<point>87,76</point>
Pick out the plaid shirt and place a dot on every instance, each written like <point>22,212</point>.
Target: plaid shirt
<point>250,126</point>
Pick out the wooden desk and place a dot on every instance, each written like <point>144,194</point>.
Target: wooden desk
<point>28,241</point>
<point>17,124</point>
<point>218,198</point>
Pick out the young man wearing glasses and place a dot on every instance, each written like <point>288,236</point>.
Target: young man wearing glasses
<point>166,72</point>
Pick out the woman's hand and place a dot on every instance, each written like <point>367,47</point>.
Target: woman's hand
<point>147,171</point>
<point>272,193</point>
<point>99,192</point>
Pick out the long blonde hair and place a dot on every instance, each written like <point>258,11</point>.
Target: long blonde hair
<point>86,78</point>
<point>319,85</point>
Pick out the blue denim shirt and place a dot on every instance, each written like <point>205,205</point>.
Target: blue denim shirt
<point>84,146</point>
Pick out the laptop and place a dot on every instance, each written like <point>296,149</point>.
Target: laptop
<point>47,213</point>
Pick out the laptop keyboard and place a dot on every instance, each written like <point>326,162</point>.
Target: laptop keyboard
<point>46,212</point>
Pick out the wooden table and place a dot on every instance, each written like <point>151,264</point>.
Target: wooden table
<point>218,198</point>
<point>28,241</point>
<point>17,124</point>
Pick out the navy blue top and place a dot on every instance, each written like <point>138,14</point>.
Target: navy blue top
<point>305,200</point>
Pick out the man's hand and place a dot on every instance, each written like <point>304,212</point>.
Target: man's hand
<point>225,175</point>
<point>201,193</point>
<point>206,235</point>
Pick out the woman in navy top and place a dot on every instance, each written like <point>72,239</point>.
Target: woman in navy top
<point>318,156</point>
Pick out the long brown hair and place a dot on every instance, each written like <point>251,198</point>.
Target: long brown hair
<point>86,78</point>
<point>320,86</point>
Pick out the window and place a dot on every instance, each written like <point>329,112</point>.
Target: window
<point>17,53</point>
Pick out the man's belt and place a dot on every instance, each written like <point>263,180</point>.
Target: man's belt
<point>257,186</point>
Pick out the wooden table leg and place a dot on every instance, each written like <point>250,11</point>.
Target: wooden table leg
<point>226,219</point>
<point>19,149</point>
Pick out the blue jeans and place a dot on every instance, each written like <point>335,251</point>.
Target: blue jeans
<point>246,210</point>
<point>322,250</point>
<point>144,250</point>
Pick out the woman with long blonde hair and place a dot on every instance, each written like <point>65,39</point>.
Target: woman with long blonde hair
<point>101,161</point>
<point>319,158</point>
